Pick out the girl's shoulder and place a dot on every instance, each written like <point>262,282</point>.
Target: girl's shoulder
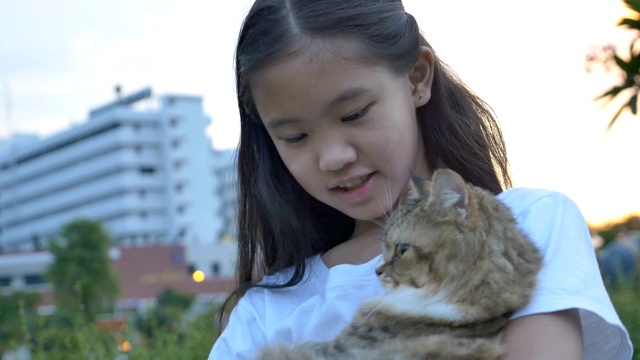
<point>544,214</point>
<point>525,199</point>
<point>570,277</point>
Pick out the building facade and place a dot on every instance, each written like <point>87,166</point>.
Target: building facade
<point>142,165</point>
<point>143,273</point>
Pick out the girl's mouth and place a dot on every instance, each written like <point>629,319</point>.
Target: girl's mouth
<point>358,190</point>
<point>354,184</point>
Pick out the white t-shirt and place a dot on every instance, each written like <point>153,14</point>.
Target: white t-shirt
<point>327,299</point>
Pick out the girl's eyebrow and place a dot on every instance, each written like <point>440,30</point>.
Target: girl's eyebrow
<point>346,95</point>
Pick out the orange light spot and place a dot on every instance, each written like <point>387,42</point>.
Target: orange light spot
<point>125,346</point>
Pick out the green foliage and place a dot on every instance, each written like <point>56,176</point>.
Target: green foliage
<point>174,299</point>
<point>63,337</point>
<point>17,312</point>
<point>629,69</point>
<point>193,340</point>
<point>83,280</point>
<point>625,299</point>
<point>165,317</point>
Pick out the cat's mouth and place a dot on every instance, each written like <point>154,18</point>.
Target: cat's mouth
<point>387,282</point>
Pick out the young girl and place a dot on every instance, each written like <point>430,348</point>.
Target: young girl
<point>340,102</point>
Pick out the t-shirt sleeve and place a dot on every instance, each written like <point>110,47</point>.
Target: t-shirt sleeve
<point>240,338</point>
<point>570,277</point>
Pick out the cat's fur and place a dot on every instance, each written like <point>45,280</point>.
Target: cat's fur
<point>455,267</point>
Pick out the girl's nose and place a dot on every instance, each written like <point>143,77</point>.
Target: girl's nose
<point>335,155</point>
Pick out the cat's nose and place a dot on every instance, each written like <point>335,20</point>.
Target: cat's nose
<point>379,270</point>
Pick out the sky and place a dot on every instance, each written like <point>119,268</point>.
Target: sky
<point>60,58</point>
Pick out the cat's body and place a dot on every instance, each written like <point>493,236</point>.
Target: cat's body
<point>455,266</point>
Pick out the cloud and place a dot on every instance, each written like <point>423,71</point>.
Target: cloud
<point>59,59</point>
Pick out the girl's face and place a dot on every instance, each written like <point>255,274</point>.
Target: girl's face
<point>346,130</point>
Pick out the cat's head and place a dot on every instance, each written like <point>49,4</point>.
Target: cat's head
<point>453,251</point>
<point>431,234</point>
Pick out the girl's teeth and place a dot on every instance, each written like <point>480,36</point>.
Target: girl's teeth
<point>352,184</point>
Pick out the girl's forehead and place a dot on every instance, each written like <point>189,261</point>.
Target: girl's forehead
<point>304,80</point>
<point>314,51</point>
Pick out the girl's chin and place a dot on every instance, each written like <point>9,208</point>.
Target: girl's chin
<point>373,219</point>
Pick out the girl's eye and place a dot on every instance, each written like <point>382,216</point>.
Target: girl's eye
<point>356,115</point>
<point>295,138</point>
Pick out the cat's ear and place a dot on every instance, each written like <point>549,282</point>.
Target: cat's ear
<point>414,189</point>
<point>449,193</point>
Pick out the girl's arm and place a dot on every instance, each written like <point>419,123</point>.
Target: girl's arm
<point>549,336</point>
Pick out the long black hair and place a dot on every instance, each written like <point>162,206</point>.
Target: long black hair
<point>279,223</point>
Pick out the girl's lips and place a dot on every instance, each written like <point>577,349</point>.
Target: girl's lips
<point>359,193</point>
<point>353,183</point>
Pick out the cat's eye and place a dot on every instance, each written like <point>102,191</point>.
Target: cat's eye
<point>400,249</point>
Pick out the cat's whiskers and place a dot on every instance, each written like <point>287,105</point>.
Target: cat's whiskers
<point>372,311</point>
<point>388,193</point>
<point>386,210</point>
<point>378,222</point>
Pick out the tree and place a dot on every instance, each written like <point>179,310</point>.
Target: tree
<point>629,69</point>
<point>82,277</point>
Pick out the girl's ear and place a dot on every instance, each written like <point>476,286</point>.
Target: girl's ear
<point>421,77</point>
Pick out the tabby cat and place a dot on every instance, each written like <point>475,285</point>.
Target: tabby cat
<point>455,266</point>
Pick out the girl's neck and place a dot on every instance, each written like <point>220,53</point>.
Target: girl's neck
<point>363,246</point>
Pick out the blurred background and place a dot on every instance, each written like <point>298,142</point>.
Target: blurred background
<point>118,122</point>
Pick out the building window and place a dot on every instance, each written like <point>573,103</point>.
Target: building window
<point>5,281</point>
<point>174,121</point>
<point>215,268</point>
<point>179,187</point>
<point>175,143</point>
<point>138,149</point>
<point>177,165</point>
<point>147,170</point>
<point>34,279</point>
<point>142,194</point>
<point>177,255</point>
<point>143,215</point>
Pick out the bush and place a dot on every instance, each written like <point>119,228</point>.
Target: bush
<point>60,337</point>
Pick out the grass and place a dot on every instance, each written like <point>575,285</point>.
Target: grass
<point>626,300</point>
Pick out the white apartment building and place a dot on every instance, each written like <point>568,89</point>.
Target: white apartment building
<point>142,165</point>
